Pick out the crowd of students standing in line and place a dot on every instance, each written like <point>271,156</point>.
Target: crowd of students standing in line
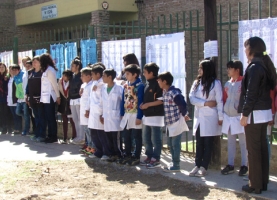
<point>107,111</point>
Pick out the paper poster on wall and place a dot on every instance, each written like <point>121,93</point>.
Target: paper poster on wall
<point>263,28</point>
<point>168,51</point>
<point>210,49</point>
<point>57,54</point>
<point>70,52</point>
<point>22,55</point>
<point>7,58</point>
<point>113,52</point>
<point>38,52</point>
<point>88,52</point>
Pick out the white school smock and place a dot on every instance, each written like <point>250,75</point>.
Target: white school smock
<point>204,116</point>
<point>84,101</point>
<point>111,107</point>
<point>10,95</point>
<point>49,86</point>
<point>232,124</point>
<point>95,105</point>
<point>178,127</point>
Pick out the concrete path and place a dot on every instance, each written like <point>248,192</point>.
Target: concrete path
<point>22,148</point>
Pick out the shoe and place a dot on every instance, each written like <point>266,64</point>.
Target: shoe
<point>50,140</point>
<point>113,158</point>
<point>133,161</point>
<point>201,172</point>
<point>40,139</point>
<point>104,158</point>
<point>227,170</point>
<point>92,156</point>
<point>78,142</point>
<point>83,147</point>
<point>23,134</point>
<point>124,160</point>
<point>247,188</point>
<point>145,162</point>
<point>61,141</point>
<point>153,164</point>
<point>33,138</point>
<point>171,169</point>
<point>89,151</point>
<point>264,187</point>
<point>243,171</point>
<point>194,171</point>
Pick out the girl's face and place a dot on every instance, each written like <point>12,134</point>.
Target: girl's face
<point>232,72</point>
<point>200,70</point>
<point>36,64</point>
<point>65,78</point>
<point>247,53</point>
<point>74,68</point>
<point>125,63</point>
<point>2,69</point>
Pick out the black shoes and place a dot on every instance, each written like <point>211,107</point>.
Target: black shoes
<point>247,188</point>
<point>50,140</point>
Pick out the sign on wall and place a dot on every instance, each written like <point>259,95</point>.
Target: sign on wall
<point>113,52</point>
<point>38,52</point>
<point>49,12</point>
<point>22,55</point>
<point>70,52</point>
<point>168,52</point>
<point>7,58</point>
<point>57,54</point>
<point>263,28</point>
<point>88,52</point>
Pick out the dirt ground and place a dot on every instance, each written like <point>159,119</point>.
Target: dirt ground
<point>94,179</point>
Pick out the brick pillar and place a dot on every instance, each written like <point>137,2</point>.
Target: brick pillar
<point>100,19</point>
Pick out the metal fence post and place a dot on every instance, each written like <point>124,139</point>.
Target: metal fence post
<point>15,50</point>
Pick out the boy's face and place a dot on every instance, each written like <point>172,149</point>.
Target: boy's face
<point>15,71</point>
<point>147,75</point>
<point>106,79</point>
<point>95,76</point>
<point>161,83</point>
<point>65,78</point>
<point>85,78</point>
<point>130,77</point>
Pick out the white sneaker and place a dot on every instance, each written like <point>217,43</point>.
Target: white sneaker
<point>194,171</point>
<point>92,156</point>
<point>201,172</point>
<point>104,158</point>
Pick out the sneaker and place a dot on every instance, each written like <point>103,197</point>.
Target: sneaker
<point>105,158</point>
<point>113,158</point>
<point>153,163</point>
<point>171,169</point>
<point>23,134</point>
<point>194,171</point>
<point>89,151</point>
<point>201,172</point>
<point>227,170</point>
<point>92,156</point>
<point>33,138</point>
<point>243,171</point>
<point>133,161</point>
<point>83,147</point>
<point>50,140</point>
<point>40,139</point>
<point>145,162</point>
<point>61,141</point>
<point>124,160</point>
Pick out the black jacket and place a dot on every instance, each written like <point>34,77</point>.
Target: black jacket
<point>255,89</point>
<point>152,91</point>
<point>75,85</point>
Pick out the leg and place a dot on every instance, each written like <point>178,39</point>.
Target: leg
<point>49,110</point>
<point>231,148</point>
<point>199,148</point>
<point>243,151</point>
<point>208,147</point>
<point>175,149</point>
<point>32,118</point>
<point>115,143</point>
<point>16,119</point>
<point>19,109</point>
<point>146,133</point>
<point>95,139</point>
<point>137,133</point>
<point>157,141</point>
<point>26,118</point>
<point>105,143</point>
<point>3,118</point>
<point>265,157</point>
<point>75,110</point>
<point>128,141</point>
<point>73,128</point>
<point>65,126</point>
<point>35,110</point>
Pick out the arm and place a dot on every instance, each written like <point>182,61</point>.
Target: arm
<point>181,103</point>
<point>140,95</point>
<point>225,95</point>
<point>52,78</point>
<point>218,97</point>
<point>195,100</point>
<point>272,96</point>
<point>122,109</point>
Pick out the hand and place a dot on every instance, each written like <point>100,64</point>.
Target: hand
<point>211,104</point>
<point>243,121</point>
<point>94,88</point>
<point>187,118</point>
<point>81,91</point>
<point>220,122</point>
<point>271,123</point>
<point>58,100</point>
<point>143,106</point>
<point>101,119</point>
<point>87,114</point>
<point>138,122</point>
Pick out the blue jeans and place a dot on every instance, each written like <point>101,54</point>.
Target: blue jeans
<point>17,120</point>
<point>137,133</point>
<point>175,150</point>
<point>152,138</point>
<point>50,118</point>
<point>88,136</point>
<point>22,110</point>
<point>40,125</point>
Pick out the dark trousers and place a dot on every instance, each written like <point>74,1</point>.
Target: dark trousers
<point>32,119</point>
<point>40,126</point>
<point>16,119</point>
<point>65,126</point>
<point>5,121</point>
<point>257,148</point>
<point>204,147</point>
<point>137,133</point>
<point>114,142</point>
<point>101,142</point>
<point>50,118</point>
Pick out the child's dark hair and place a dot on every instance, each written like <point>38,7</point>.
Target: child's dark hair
<point>96,68</point>
<point>15,66</point>
<point>29,62</point>
<point>133,69</point>
<point>77,61</point>
<point>236,64</point>
<point>152,67</point>
<point>110,72</point>
<point>130,58</point>
<point>68,73</point>
<point>86,71</point>
<point>166,76</point>
<point>98,63</point>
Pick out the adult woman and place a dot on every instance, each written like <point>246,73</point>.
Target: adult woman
<point>128,59</point>
<point>49,95</point>
<point>74,96</point>
<point>206,96</point>
<point>255,106</point>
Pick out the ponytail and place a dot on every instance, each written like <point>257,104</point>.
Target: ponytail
<point>271,71</point>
